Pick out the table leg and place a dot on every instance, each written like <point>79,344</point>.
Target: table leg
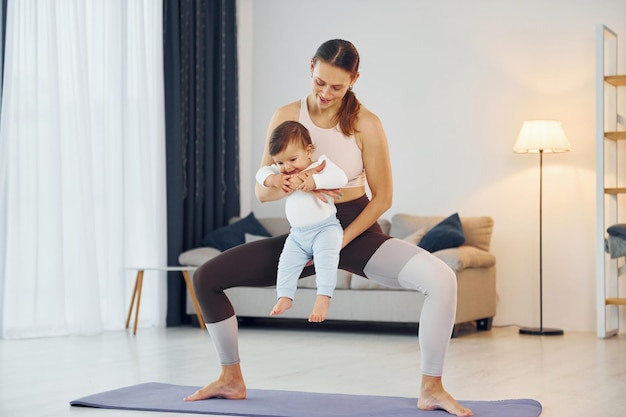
<point>132,302</point>
<point>192,294</point>
<point>139,285</point>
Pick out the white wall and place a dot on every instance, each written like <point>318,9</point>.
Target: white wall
<point>452,81</point>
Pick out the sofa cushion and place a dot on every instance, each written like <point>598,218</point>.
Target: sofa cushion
<point>385,225</point>
<point>477,230</point>
<point>197,256</point>
<point>275,225</point>
<point>360,283</point>
<point>280,226</point>
<point>416,236</point>
<point>343,281</point>
<point>226,237</point>
<point>466,257</point>
<point>458,259</point>
<point>253,238</point>
<point>402,225</point>
<point>446,234</point>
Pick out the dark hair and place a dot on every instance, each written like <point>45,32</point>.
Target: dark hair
<point>286,133</point>
<point>344,55</point>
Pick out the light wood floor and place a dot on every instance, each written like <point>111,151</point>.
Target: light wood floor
<point>573,375</point>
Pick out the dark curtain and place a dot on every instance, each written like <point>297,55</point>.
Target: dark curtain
<point>201,118</point>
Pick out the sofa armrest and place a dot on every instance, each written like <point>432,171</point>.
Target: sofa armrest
<point>466,256</point>
<point>197,256</point>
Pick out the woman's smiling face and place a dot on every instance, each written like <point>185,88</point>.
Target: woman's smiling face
<point>330,83</point>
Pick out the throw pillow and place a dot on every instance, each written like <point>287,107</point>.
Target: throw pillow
<point>226,237</point>
<point>617,230</point>
<point>447,234</point>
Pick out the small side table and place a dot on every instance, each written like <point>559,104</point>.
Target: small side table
<point>139,283</point>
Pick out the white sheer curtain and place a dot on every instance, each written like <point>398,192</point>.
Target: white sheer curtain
<point>82,166</point>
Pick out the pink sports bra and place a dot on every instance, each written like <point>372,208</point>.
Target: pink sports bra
<point>340,149</point>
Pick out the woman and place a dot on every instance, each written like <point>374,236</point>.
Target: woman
<point>353,138</point>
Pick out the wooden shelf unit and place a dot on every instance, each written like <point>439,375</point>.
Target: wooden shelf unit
<point>615,191</point>
<point>616,80</point>
<point>616,301</point>
<point>615,135</point>
<point>609,178</point>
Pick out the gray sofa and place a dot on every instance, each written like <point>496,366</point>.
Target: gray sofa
<point>358,299</point>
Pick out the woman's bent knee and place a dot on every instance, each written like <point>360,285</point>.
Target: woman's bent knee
<point>428,274</point>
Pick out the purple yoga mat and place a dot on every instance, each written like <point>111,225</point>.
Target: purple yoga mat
<point>154,396</point>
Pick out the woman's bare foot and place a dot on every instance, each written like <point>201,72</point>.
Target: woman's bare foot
<point>283,304</point>
<point>433,397</point>
<point>229,385</point>
<point>320,309</point>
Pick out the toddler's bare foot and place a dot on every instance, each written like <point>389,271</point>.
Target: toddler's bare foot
<point>434,396</point>
<point>283,304</point>
<point>229,385</point>
<point>320,309</point>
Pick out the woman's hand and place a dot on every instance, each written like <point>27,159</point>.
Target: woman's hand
<point>335,194</point>
<point>281,181</point>
<point>303,180</point>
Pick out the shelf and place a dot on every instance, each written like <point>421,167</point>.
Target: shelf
<point>610,178</point>
<point>615,190</point>
<point>615,135</point>
<point>616,80</point>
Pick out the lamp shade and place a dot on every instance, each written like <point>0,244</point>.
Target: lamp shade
<point>541,136</point>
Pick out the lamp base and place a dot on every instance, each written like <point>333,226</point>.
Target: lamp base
<point>540,331</point>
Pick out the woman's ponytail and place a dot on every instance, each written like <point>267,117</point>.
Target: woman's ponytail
<point>348,113</point>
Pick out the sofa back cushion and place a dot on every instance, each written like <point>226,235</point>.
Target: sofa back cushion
<point>275,225</point>
<point>477,230</point>
<point>280,226</point>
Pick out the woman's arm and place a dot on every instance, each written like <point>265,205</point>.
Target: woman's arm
<point>330,177</point>
<point>375,151</point>
<point>288,112</point>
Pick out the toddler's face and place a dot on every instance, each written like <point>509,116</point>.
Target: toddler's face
<point>293,159</point>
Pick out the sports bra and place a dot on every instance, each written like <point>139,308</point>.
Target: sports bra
<point>341,149</point>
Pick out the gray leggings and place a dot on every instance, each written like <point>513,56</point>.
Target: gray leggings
<point>374,255</point>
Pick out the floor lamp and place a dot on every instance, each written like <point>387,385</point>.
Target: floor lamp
<point>541,136</point>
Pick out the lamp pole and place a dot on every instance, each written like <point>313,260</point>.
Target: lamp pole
<point>540,331</point>
<point>541,240</point>
<point>541,136</point>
